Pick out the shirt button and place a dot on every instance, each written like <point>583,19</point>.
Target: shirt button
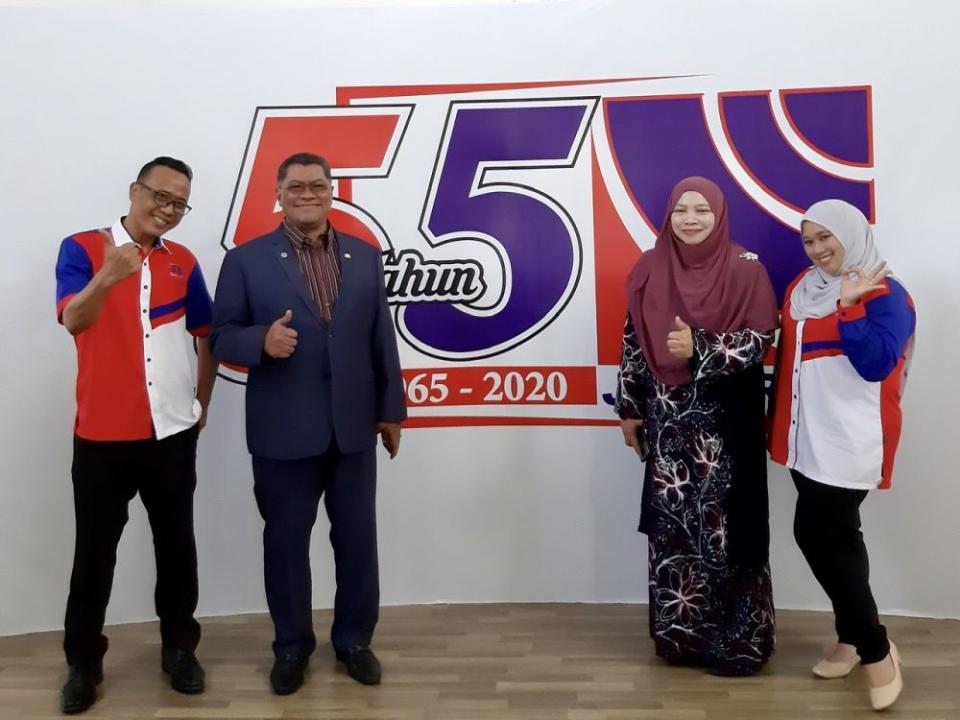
<point>147,335</point>
<point>144,310</point>
<point>150,383</point>
<point>148,360</point>
<point>145,287</point>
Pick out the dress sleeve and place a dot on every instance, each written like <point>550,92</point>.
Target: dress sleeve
<point>632,377</point>
<point>718,354</point>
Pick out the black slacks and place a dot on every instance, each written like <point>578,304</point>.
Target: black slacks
<point>288,495</point>
<point>106,476</point>
<point>827,529</point>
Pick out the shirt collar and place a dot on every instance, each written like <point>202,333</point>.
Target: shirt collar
<point>300,239</point>
<point>121,236</point>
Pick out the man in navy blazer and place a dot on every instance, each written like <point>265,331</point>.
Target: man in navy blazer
<point>304,308</point>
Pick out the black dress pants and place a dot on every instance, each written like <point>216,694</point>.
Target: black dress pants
<point>288,495</point>
<point>827,529</point>
<point>106,476</point>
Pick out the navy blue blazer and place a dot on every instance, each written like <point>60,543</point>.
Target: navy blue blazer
<point>341,380</point>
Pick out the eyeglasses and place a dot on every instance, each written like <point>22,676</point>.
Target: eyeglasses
<point>162,198</point>
<point>299,188</point>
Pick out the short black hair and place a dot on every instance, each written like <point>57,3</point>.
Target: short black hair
<point>179,165</point>
<point>303,158</point>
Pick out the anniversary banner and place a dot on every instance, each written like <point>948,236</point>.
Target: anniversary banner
<point>510,214</point>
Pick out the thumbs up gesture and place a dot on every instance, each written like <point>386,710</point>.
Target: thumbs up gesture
<point>281,339</point>
<point>680,341</point>
<point>119,263</point>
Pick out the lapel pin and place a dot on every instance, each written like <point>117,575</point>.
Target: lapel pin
<point>283,254</point>
<point>347,255</point>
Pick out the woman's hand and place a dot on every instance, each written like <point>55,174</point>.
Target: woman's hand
<point>855,283</point>
<point>680,341</point>
<point>631,432</point>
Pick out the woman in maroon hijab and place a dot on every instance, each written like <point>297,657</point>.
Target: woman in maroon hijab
<point>690,396</point>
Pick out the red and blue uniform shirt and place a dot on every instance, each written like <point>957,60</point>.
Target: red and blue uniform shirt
<point>839,380</point>
<point>136,365</point>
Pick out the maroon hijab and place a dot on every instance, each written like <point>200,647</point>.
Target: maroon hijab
<point>710,286</point>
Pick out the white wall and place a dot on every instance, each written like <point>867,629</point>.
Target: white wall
<point>466,514</point>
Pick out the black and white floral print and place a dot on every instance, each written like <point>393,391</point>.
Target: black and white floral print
<point>705,609</point>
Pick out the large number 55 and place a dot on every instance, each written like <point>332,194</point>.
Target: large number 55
<point>533,236</point>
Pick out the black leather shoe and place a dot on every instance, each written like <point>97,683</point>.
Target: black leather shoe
<point>287,674</point>
<point>80,690</point>
<point>186,673</point>
<point>362,665</point>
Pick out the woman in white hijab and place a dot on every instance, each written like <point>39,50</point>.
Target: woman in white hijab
<point>846,331</point>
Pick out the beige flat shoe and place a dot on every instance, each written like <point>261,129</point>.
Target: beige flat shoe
<point>886,695</point>
<point>830,669</point>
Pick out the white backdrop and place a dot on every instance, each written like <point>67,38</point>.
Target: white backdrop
<point>466,514</point>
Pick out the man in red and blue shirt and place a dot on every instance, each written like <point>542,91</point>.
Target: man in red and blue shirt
<point>134,303</point>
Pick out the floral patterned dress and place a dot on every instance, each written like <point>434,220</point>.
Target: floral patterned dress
<point>704,506</point>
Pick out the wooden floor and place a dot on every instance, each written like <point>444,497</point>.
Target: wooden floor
<point>497,662</point>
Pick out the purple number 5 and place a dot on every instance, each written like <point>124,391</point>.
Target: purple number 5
<point>533,236</point>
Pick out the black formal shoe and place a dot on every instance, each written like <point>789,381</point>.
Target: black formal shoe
<point>287,674</point>
<point>186,673</point>
<point>80,690</point>
<point>362,665</point>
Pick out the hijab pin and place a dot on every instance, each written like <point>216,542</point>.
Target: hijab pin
<point>347,255</point>
<point>283,254</point>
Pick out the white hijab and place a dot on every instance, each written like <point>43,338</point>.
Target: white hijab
<point>816,295</point>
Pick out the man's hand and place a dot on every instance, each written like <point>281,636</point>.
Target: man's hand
<point>206,376</point>
<point>281,340</point>
<point>390,436</point>
<point>680,341</point>
<point>119,263</point>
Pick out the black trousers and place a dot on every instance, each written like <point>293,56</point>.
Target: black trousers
<point>288,495</point>
<point>827,529</point>
<point>106,476</point>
